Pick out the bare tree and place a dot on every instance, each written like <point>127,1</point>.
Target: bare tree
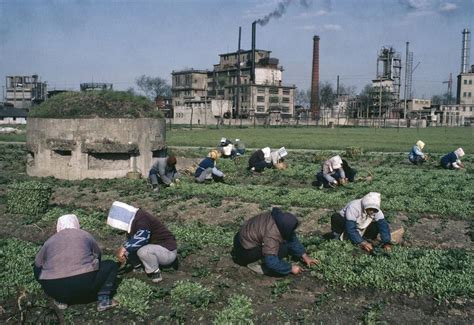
<point>153,87</point>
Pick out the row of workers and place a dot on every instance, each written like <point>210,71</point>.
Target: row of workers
<point>70,268</point>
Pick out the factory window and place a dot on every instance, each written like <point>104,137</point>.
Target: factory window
<point>285,100</point>
<point>286,91</point>
<point>469,94</point>
<point>260,108</point>
<point>261,90</point>
<point>470,81</point>
<point>464,94</point>
<point>260,99</point>
<point>273,90</point>
<point>465,81</point>
<point>274,99</point>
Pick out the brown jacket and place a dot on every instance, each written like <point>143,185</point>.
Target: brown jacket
<point>261,230</point>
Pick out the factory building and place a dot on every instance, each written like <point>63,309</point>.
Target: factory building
<point>24,91</point>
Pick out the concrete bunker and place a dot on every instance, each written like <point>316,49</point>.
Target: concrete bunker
<point>93,146</point>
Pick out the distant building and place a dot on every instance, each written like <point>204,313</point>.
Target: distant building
<point>12,115</point>
<point>263,100</point>
<point>465,92</point>
<point>165,105</point>
<point>24,91</point>
<point>87,86</point>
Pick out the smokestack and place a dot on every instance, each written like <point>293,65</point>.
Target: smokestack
<point>315,80</point>
<point>254,32</point>
<point>466,44</point>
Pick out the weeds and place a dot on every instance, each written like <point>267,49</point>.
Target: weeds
<point>238,311</point>
<point>134,295</point>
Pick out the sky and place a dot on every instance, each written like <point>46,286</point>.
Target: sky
<point>67,42</point>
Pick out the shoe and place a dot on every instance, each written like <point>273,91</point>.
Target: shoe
<point>106,303</point>
<point>252,169</point>
<point>155,188</point>
<point>332,185</point>
<point>155,276</point>
<point>60,305</point>
<point>256,267</point>
<point>138,270</point>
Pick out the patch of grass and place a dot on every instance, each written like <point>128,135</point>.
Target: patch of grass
<point>372,314</point>
<point>281,287</point>
<point>238,311</point>
<point>90,104</point>
<point>134,295</point>
<point>16,273</point>
<point>189,294</point>
<point>442,273</point>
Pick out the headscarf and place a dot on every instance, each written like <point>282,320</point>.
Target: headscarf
<point>371,201</point>
<point>420,144</point>
<point>286,222</point>
<point>121,216</point>
<point>459,152</point>
<point>335,162</point>
<point>67,221</point>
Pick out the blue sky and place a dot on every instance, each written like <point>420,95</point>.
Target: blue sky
<point>68,42</point>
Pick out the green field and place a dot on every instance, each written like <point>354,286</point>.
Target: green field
<point>438,140</point>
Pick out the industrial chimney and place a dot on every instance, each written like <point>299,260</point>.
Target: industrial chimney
<point>315,80</point>
<point>466,44</point>
<point>252,73</point>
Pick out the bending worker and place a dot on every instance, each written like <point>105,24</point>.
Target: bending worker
<point>360,220</point>
<point>332,173</point>
<point>270,237</point>
<point>265,158</point>
<point>416,155</point>
<point>163,172</point>
<point>207,169</point>
<point>452,161</point>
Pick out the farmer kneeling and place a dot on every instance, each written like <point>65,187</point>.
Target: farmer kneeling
<point>163,172</point>
<point>452,161</point>
<point>416,156</point>
<point>70,270</point>
<point>207,169</point>
<point>149,242</point>
<point>270,237</point>
<point>332,173</point>
<point>356,222</point>
<point>265,158</point>
<point>226,149</point>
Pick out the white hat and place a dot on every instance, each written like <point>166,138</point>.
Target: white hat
<point>420,144</point>
<point>282,152</point>
<point>371,201</point>
<point>459,152</point>
<point>223,140</point>
<point>121,216</point>
<point>336,162</point>
<point>67,221</point>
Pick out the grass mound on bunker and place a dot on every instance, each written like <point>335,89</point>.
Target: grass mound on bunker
<point>90,104</point>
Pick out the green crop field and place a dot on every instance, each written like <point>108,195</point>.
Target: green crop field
<point>429,278</point>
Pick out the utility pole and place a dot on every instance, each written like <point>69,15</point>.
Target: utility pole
<point>406,82</point>
<point>238,104</point>
<point>450,88</point>
<point>380,99</point>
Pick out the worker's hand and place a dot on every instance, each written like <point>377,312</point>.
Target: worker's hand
<point>387,247</point>
<point>366,246</point>
<point>427,157</point>
<point>177,180</point>
<point>121,255</point>
<point>296,269</point>
<point>172,184</point>
<point>343,181</point>
<point>308,260</point>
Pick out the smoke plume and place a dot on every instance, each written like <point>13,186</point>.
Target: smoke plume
<point>280,10</point>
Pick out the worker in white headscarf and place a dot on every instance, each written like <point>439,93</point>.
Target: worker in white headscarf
<point>226,148</point>
<point>69,268</point>
<point>361,220</point>
<point>266,158</point>
<point>416,155</point>
<point>331,174</point>
<point>452,159</point>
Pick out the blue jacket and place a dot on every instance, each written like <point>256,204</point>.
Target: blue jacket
<point>449,159</point>
<point>203,165</point>
<point>415,152</point>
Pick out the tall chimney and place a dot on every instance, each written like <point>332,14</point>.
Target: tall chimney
<point>315,80</point>
<point>466,44</point>
<point>254,32</point>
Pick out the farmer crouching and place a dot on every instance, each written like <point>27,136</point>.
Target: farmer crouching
<point>356,222</point>
<point>163,172</point>
<point>332,173</point>
<point>265,158</point>
<point>416,155</point>
<point>69,268</point>
<point>149,243</point>
<point>452,161</point>
<point>226,149</point>
<point>270,237</point>
<point>239,147</point>
<point>207,169</point>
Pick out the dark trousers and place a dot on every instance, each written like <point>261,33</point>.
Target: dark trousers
<point>417,160</point>
<point>82,288</point>
<point>244,256</point>
<point>338,226</point>
<point>260,166</point>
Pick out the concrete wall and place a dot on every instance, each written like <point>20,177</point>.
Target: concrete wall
<point>92,148</point>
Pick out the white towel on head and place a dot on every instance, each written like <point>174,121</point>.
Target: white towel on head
<point>121,216</point>
<point>67,221</point>
<point>459,152</point>
<point>282,152</point>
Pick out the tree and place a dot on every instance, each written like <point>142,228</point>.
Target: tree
<point>303,98</point>
<point>153,87</point>
<point>327,95</point>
